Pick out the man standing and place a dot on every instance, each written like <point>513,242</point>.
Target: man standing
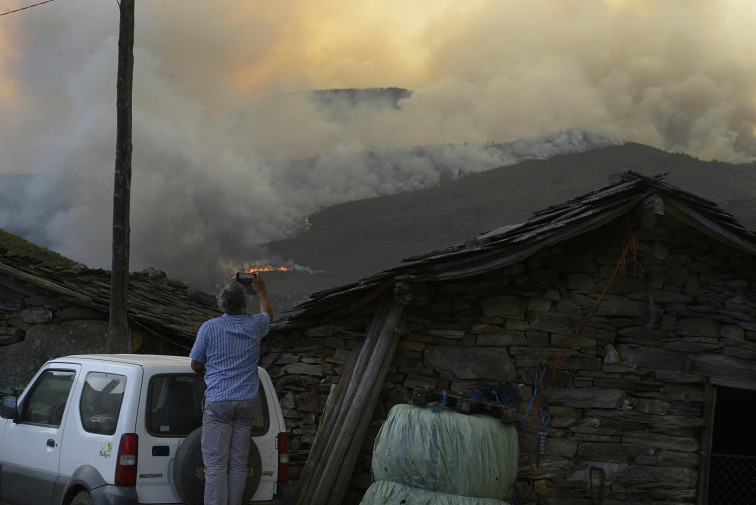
<point>227,349</point>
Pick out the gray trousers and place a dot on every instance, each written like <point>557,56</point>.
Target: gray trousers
<point>226,427</point>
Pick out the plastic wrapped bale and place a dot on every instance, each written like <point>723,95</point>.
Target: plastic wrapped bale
<point>385,492</point>
<point>469,455</point>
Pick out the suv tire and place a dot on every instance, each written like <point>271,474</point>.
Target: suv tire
<point>82,498</point>
<point>189,470</point>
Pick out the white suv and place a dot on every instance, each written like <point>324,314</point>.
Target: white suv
<point>125,430</point>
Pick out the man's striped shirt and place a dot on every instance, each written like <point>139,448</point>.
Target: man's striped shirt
<point>229,346</point>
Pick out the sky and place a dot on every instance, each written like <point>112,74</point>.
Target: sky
<point>220,110</point>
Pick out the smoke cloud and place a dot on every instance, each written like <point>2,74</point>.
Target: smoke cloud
<point>231,152</point>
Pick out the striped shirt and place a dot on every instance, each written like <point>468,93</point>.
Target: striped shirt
<point>229,346</point>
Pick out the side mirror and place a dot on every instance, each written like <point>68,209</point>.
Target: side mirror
<point>9,409</point>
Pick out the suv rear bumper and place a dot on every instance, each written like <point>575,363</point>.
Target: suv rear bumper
<point>126,495</point>
<point>284,496</point>
<point>114,495</point>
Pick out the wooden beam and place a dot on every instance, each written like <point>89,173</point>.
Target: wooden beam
<point>353,451</point>
<point>335,417</point>
<point>709,227</point>
<point>720,369</point>
<point>39,282</point>
<point>708,429</point>
<point>344,432</point>
<point>323,434</point>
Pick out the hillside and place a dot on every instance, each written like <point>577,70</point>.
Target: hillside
<point>13,244</point>
<point>349,241</point>
<point>352,240</point>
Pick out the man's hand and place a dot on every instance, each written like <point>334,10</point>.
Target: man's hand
<point>262,294</point>
<point>258,284</point>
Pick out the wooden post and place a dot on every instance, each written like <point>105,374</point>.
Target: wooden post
<point>368,347</point>
<point>345,435</point>
<point>324,440</point>
<point>119,339</point>
<point>331,410</point>
<point>704,464</point>
<point>341,484</point>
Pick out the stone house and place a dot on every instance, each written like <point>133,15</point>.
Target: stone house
<point>46,312</point>
<point>626,318</point>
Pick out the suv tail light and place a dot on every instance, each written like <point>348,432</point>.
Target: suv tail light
<point>126,464</point>
<point>283,458</point>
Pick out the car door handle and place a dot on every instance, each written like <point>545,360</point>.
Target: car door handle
<point>50,442</point>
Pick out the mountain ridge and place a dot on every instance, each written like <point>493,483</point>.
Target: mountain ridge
<point>348,241</point>
<point>358,238</point>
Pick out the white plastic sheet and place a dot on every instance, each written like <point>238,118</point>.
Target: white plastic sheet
<point>392,493</point>
<point>447,452</point>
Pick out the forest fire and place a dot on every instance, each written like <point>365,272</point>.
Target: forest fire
<point>276,273</point>
<point>267,269</point>
<point>255,270</point>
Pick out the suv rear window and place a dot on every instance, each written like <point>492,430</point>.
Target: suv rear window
<point>101,400</point>
<point>175,406</point>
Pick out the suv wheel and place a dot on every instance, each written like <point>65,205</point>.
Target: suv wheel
<point>82,498</point>
<point>189,470</point>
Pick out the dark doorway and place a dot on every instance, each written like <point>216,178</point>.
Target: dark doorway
<point>732,472</point>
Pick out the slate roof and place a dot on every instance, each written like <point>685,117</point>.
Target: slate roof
<point>156,303</point>
<point>510,244</point>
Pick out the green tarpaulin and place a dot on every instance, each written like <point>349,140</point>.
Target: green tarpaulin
<point>447,452</point>
<point>391,493</point>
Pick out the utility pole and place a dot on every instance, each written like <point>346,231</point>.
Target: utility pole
<point>119,338</point>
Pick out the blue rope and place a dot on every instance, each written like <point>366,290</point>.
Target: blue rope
<point>536,386</point>
<point>545,418</point>
<point>542,431</point>
<point>483,395</point>
<point>438,408</point>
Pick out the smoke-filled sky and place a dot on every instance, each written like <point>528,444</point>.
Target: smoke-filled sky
<point>217,113</point>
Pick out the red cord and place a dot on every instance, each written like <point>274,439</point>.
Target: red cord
<point>629,245</point>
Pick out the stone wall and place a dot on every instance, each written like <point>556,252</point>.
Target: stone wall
<point>627,398</point>
<point>36,326</point>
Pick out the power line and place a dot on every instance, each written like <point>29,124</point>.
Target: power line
<point>27,7</point>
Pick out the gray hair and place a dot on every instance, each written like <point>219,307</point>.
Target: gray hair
<point>232,299</point>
